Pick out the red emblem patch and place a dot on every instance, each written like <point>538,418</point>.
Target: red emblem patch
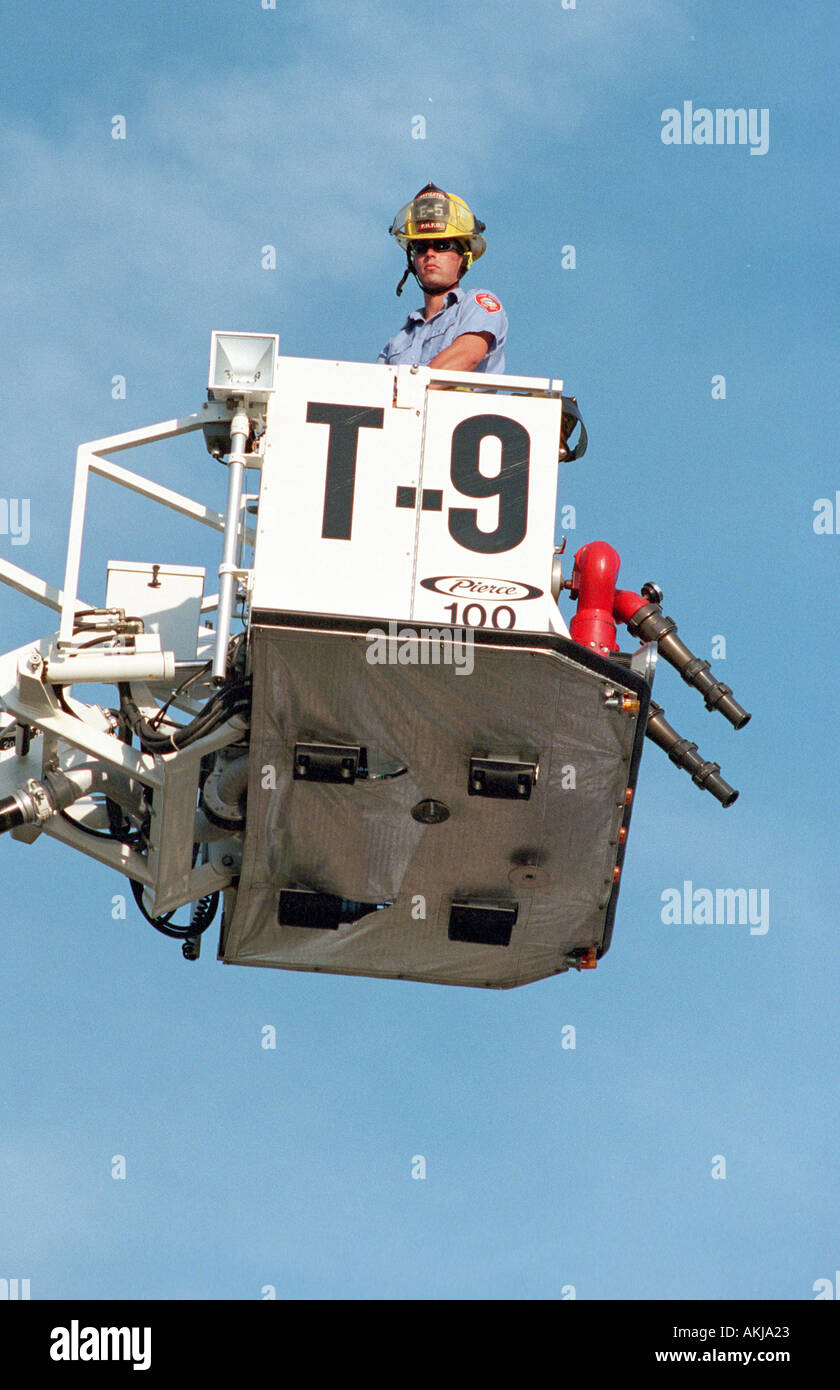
<point>488,302</point>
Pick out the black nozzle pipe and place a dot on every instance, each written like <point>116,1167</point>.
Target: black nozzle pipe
<point>11,814</point>
<point>704,774</point>
<point>650,624</point>
<point>38,801</point>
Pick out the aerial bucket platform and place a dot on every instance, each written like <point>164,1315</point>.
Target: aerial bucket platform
<point>404,764</point>
<point>481,839</point>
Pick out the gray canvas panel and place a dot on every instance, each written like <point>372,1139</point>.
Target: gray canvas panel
<point>360,842</point>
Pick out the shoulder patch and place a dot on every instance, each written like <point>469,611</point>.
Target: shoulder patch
<point>488,302</point>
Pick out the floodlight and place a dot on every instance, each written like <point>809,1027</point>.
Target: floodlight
<point>242,364</point>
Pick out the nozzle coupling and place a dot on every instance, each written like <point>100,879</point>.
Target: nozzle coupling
<point>37,802</point>
<point>649,623</point>
<point>705,775</point>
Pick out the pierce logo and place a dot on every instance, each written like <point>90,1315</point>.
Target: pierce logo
<point>488,302</point>
<point>462,585</point>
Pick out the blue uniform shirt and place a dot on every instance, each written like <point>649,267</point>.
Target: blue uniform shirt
<point>465,311</point>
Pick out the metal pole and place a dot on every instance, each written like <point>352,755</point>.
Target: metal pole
<point>239,430</point>
<point>74,546</point>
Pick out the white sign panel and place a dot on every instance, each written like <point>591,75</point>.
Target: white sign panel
<point>329,538</point>
<point>382,498</point>
<point>486,511</point>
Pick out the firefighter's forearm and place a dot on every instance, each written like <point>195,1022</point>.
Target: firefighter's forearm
<point>464,354</point>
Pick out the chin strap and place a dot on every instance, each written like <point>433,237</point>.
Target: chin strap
<point>409,270</point>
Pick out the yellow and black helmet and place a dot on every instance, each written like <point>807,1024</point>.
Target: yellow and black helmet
<point>433,215</point>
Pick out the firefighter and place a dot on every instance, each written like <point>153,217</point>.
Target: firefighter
<point>457,329</point>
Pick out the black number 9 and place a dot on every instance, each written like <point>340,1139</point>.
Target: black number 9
<point>510,485</point>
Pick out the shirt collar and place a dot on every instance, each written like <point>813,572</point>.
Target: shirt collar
<point>452,297</point>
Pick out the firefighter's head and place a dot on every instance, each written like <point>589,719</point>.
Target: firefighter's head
<point>440,236</point>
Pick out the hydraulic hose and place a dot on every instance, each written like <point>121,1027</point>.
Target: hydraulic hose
<point>230,700</point>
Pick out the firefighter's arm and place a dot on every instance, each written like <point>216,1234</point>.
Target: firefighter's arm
<point>465,353</point>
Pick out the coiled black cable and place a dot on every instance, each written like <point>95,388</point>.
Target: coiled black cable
<point>203,914</point>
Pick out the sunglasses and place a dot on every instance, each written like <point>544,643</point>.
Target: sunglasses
<point>418,248</point>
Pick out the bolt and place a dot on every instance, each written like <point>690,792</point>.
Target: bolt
<point>227,860</point>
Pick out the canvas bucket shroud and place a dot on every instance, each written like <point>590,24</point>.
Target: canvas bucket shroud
<point>533,695</point>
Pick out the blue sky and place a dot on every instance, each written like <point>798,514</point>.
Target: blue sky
<point>547,1168</point>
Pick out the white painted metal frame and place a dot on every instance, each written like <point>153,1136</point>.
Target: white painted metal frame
<point>167,873</point>
<point>478,381</point>
<point>90,459</point>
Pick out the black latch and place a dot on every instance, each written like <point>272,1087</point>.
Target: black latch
<point>482,924</point>
<point>506,777</point>
<point>326,762</point>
